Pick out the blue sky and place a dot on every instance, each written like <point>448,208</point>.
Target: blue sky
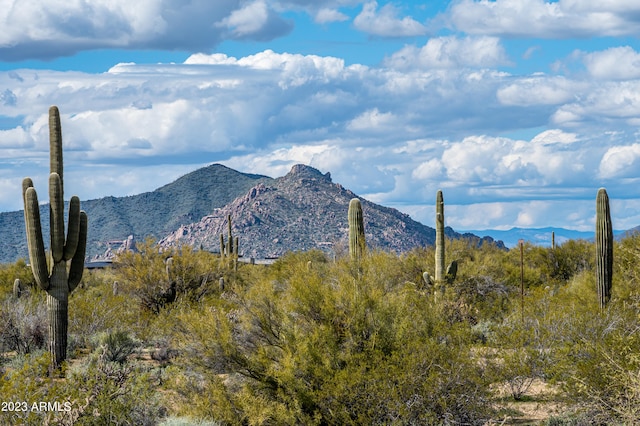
<point>519,110</point>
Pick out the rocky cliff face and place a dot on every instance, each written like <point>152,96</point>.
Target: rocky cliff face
<point>300,211</point>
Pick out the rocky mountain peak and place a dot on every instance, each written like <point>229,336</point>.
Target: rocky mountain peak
<point>300,211</point>
<point>302,171</point>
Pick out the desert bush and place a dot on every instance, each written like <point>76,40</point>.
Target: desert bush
<point>598,364</point>
<point>95,309</point>
<point>116,346</point>
<point>155,283</point>
<point>478,298</point>
<point>8,274</point>
<point>570,259</point>
<point>143,275</point>
<point>567,340</point>
<point>23,324</point>
<point>626,286</point>
<point>94,392</point>
<point>328,345</point>
<point>523,354</point>
<point>115,394</point>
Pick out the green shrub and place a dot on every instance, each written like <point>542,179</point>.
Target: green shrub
<point>116,346</point>
<point>92,393</point>
<point>325,345</point>
<point>8,274</point>
<point>146,275</point>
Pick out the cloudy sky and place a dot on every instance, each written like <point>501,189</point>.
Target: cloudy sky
<point>519,110</point>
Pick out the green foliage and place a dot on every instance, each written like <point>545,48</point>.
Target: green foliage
<point>523,355</point>
<point>10,272</point>
<point>95,309</point>
<point>310,340</point>
<point>95,392</point>
<point>143,274</point>
<point>187,421</point>
<point>310,347</point>
<point>627,272</point>
<point>116,346</point>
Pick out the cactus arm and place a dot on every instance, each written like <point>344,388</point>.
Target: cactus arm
<point>17,288</point>
<point>427,279</point>
<point>56,216</point>
<point>77,262</point>
<point>35,242</point>
<point>452,272</point>
<point>73,229</point>
<point>55,142</point>
<point>26,184</point>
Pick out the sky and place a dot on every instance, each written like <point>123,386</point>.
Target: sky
<point>519,110</point>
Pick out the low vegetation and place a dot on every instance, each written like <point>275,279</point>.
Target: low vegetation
<point>313,340</point>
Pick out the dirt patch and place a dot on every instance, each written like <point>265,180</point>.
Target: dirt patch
<point>540,402</point>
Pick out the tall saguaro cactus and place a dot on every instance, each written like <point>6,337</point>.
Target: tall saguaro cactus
<point>230,250</point>
<point>56,279</point>
<point>439,236</point>
<point>604,248</point>
<point>357,241</point>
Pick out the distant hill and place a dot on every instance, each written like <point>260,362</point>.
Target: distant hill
<point>154,214</point>
<point>300,211</point>
<point>541,236</point>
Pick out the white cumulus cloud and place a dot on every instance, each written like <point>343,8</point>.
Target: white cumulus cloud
<point>386,22</point>
<point>545,19</point>
<point>326,15</point>
<point>616,63</point>
<point>621,162</point>
<point>451,52</point>
<point>58,28</point>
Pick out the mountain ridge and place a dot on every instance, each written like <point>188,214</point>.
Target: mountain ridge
<point>290,205</point>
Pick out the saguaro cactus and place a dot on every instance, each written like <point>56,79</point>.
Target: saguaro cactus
<point>604,248</point>
<point>439,237</point>
<point>357,241</point>
<point>56,279</point>
<point>229,250</point>
<point>230,240</point>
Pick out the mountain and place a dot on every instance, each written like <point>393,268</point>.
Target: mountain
<point>299,211</point>
<point>153,214</point>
